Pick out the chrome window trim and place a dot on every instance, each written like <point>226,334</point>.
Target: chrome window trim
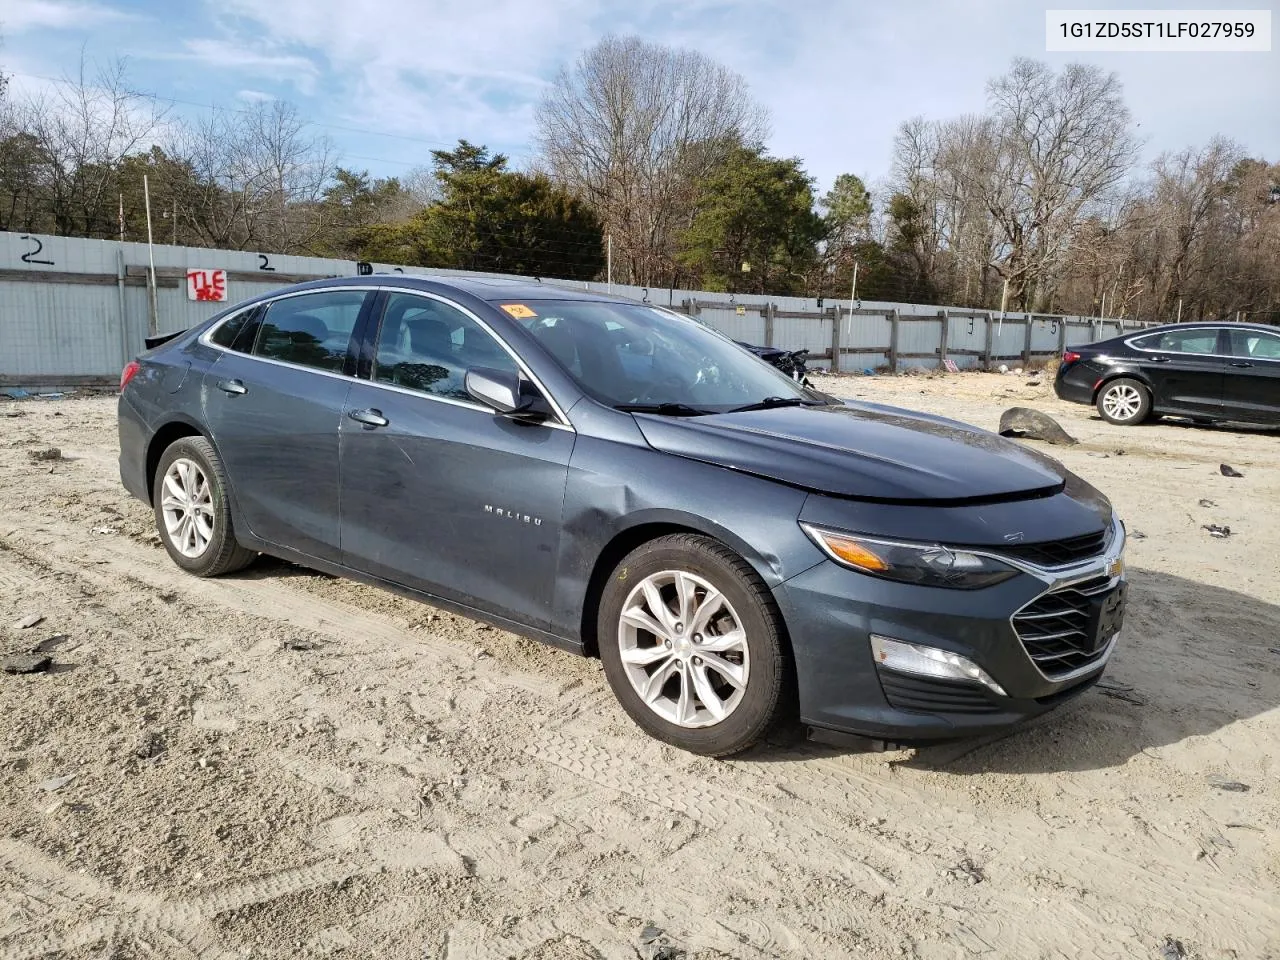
<point>561,423</point>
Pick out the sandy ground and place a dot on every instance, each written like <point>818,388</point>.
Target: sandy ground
<point>281,764</point>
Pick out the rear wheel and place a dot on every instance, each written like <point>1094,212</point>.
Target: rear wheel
<point>1124,401</point>
<point>692,645</point>
<point>193,515</point>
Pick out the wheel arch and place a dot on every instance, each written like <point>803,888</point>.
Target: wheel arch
<point>1119,373</point>
<point>643,531</point>
<point>161,439</point>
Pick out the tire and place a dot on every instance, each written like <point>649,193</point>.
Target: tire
<point>735,662</point>
<point>1124,402</point>
<point>196,469</point>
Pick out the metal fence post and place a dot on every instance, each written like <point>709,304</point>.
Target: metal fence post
<point>1026,341</point>
<point>893,340</point>
<point>986,344</point>
<point>835,339</point>
<point>768,312</point>
<point>1062,336</point>
<point>945,316</point>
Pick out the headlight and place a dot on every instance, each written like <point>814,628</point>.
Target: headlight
<point>929,565</point>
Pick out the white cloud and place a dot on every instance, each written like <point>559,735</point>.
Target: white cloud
<point>255,60</point>
<point>19,16</point>
<point>254,96</point>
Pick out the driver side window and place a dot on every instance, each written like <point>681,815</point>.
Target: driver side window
<point>429,345</point>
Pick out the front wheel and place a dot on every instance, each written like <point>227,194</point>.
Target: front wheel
<point>693,646</point>
<point>1124,402</point>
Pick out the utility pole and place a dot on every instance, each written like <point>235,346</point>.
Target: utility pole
<point>1004,301</point>
<point>853,298</point>
<point>609,260</point>
<point>1179,320</point>
<point>151,258</point>
<point>175,221</point>
<point>120,218</point>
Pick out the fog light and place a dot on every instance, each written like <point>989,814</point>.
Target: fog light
<point>929,662</point>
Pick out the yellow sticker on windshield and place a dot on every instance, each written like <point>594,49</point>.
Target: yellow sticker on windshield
<point>518,310</point>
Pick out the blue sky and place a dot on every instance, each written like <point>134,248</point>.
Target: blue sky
<point>837,77</point>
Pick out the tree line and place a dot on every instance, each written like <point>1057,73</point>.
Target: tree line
<point>652,167</point>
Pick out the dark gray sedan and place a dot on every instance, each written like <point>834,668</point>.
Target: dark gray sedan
<point>622,482</point>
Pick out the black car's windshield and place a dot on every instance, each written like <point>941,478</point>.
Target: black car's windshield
<point>644,359</point>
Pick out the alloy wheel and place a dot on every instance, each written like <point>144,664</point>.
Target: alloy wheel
<point>187,505</point>
<point>1122,402</point>
<point>683,648</point>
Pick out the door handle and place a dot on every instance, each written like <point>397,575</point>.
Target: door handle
<point>1241,363</point>
<point>370,418</point>
<point>233,387</point>
<point>1159,359</point>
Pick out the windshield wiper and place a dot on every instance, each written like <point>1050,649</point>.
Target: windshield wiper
<point>663,409</point>
<point>768,403</point>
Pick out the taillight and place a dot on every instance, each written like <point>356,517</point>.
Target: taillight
<point>1070,356</point>
<point>130,371</point>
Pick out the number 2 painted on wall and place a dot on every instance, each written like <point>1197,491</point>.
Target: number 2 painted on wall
<point>27,257</point>
<point>266,263</point>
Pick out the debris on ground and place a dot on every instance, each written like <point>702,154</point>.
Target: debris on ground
<point>1217,530</point>
<point>966,870</point>
<point>1137,535</point>
<point>1119,691</point>
<point>30,620</point>
<point>27,663</point>
<point>149,746</point>
<point>1229,471</point>
<point>1172,949</point>
<point>656,945</point>
<point>104,530</point>
<point>13,413</point>
<point>1208,503</point>
<point>56,783</point>
<point>16,393</point>
<point>50,643</point>
<point>48,453</point>
<point>1231,786</point>
<point>1025,422</point>
<point>300,645</point>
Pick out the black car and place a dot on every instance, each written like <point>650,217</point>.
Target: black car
<point>1203,371</point>
<point>622,482</point>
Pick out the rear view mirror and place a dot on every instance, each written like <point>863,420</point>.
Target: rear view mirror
<point>507,393</point>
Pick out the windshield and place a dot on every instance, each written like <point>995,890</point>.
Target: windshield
<point>634,356</point>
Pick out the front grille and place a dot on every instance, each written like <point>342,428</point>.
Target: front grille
<point>931,695</point>
<point>1055,628</point>
<point>1059,553</point>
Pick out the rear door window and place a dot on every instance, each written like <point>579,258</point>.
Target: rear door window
<point>311,330</point>
<point>1200,340</point>
<point>1255,345</point>
<point>228,334</point>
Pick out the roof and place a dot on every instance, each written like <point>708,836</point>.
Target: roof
<point>497,288</point>
<point>1197,324</point>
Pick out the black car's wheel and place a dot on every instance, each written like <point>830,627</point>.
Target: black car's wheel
<point>692,645</point>
<point>192,513</point>
<point>1124,401</point>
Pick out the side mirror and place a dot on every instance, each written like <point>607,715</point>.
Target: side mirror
<point>507,393</point>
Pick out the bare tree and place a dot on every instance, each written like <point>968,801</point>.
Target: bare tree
<point>630,128</point>
<point>258,178</point>
<point>81,132</point>
<point>1055,146</point>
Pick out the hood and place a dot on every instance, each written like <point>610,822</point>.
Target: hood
<point>861,450</point>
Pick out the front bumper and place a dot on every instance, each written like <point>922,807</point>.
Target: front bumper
<point>832,611</point>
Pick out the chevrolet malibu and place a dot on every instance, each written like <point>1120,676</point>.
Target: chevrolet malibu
<point>624,483</point>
